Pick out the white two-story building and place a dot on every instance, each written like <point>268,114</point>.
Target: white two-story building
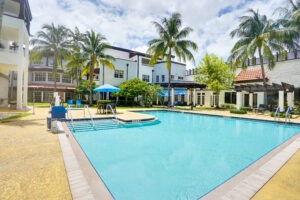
<point>14,38</point>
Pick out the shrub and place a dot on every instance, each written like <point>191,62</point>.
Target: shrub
<point>280,115</point>
<point>235,111</point>
<point>227,105</point>
<point>104,101</point>
<point>246,108</point>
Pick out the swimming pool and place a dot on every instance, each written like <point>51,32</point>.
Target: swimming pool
<point>182,156</point>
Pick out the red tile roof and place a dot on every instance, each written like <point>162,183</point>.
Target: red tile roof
<point>249,75</point>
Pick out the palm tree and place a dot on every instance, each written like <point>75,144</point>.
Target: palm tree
<point>257,35</point>
<point>51,41</point>
<point>93,46</point>
<point>290,22</point>
<point>76,59</point>
<point>172,39</point>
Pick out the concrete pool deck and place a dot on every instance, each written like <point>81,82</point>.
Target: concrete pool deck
<point>32,167</point>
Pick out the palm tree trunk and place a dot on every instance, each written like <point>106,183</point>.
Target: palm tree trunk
<point>54,71</point>
<point>91,83</point>
<point>93,60</point>
<point>169,79</point>
<point>261,60</point>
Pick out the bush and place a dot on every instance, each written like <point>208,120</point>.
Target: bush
<point>280,115</point>
<point>103,101</point>
<point>85,102</point>
<point>235,111</point>
<point>246,108</point>
<point>227,105</point>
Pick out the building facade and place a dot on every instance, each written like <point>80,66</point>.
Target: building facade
<point>184,91</point>
<point>14,53</point>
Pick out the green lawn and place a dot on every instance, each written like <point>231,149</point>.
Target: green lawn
<point>12,118</point>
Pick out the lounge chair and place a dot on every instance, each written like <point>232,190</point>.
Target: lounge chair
<point>261,108</point>
<point>78,103</point>
<point>70,102</point>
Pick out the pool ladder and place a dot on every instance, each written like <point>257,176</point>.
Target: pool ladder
<point>85,107</point>
<point>288,114</point>
<point>277,113</point>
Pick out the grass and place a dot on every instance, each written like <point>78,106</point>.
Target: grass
<point>39,105</point>
<point>12,118</point>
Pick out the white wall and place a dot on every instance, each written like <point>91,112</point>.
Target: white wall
<point>119,64</point>
<point>3,92</point>
<point>176,70</point>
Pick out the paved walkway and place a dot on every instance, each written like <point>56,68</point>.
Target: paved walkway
<point>31,164</point>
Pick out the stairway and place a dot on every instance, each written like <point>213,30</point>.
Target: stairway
<point>86,126</point>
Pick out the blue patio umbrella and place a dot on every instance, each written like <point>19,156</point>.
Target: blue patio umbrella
<point>106,88</point>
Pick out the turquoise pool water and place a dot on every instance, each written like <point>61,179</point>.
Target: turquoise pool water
<point>181,156</point>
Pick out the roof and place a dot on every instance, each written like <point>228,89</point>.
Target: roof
<point>43,68</point>
<point>183,84</point>
<point>51,86</point>
<point>249,75</point>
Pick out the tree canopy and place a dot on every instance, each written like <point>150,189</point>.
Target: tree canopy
<point>215,73</point>
<point>172,40</point>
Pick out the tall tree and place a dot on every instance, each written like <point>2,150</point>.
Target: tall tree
<point>93,46</point>
<point>52,41</point>
<point>290,23</point>
<point>215,73</point>
<point>172,39</point>
<point>76,58</point>
<point>257,36</point>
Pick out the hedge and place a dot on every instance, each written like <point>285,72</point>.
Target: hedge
<point>235,111</point>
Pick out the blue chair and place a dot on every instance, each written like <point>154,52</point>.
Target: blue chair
<point>58,113</point>
<point>70,102</point>
<point>78,103</point>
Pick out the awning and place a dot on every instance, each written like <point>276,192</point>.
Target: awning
<point>177,91</point>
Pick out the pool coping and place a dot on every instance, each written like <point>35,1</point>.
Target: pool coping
<point>83,179</point>
<point>243,185</point>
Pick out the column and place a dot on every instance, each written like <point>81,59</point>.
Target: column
<point>20,71</point>
<point>281,100</point>
<point>194,97</point>
<point>19,88</point>
<point>188,97</point>
<point>42,97</point>
<point>221,98</point>
<point>251,99</point>
<point>25,90</point>
<point>238,100</point>
<point>172,96</point>
<point>107,95</point>
<point>290,99</point>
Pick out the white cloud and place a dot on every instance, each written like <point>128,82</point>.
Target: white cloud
<point>127,23</point>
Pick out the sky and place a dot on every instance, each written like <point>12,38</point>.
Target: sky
<point>128,23</point>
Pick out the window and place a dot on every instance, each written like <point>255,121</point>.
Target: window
<point>66,78</point>
<point>119,73</point>
<point>145,61</point>
<point>157,78</point>
<point>172,77</point>
<point>162,78</point>
<point>40,76</point>
<point>230,97</point>
<point>146,78</point>
<point>51,78</point>
<point>48,96</point>
<point>180,78</point>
